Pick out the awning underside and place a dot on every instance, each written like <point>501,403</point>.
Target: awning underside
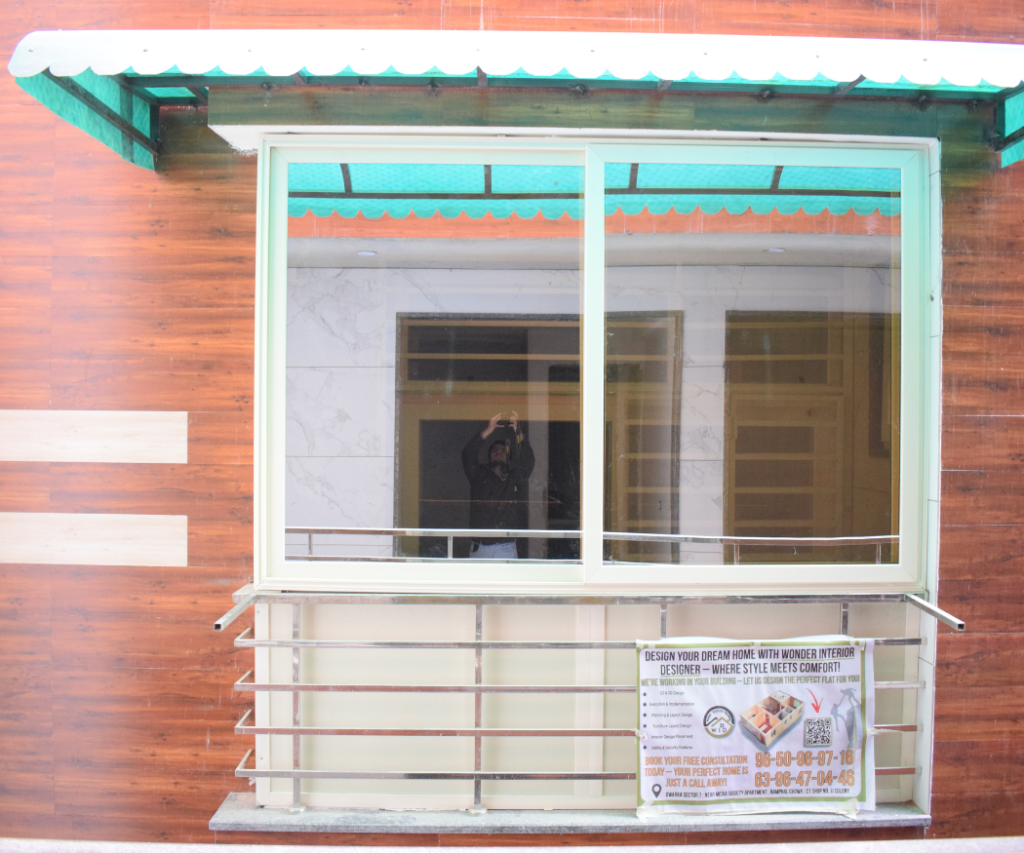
<point>109,83</point>
<point>400,190</point>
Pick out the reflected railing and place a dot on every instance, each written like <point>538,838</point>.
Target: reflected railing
<point>453,533</point>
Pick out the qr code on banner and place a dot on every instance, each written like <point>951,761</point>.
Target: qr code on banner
<point>818,731</point>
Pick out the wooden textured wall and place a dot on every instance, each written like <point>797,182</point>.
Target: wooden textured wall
<point>121,289</point>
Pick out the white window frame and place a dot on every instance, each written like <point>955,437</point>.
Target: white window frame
<point>917,160</point>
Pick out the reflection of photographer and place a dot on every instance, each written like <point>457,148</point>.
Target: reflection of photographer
<point>497,488</point>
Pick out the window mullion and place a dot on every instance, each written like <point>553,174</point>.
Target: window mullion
<point>592,373</point>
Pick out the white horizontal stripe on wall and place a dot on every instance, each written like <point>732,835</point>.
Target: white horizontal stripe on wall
<point>87,436</point>
<point>93,539</point>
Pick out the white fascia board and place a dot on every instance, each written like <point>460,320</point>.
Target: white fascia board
<point>628,56</point>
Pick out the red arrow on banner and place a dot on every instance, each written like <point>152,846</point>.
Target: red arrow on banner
<point>816,704</point>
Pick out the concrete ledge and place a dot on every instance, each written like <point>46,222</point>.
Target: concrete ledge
<point>239,812</point>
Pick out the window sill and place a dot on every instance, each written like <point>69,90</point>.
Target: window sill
<point>239,812</point>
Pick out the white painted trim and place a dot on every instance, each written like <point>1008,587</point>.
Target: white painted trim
<point>93,539</point>
<point>248,138</point>
<point>48,435</point>
<point>919,474</point>
<point>586,55</point>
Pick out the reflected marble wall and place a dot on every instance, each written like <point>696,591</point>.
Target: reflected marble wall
<point>342,323</point>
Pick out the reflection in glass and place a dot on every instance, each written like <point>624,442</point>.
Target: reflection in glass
<point>766,414</point>
<point>433,361</point>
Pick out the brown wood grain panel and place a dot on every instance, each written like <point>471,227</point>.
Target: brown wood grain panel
<point>979,660</point>
<point>135,14</point>
<point>191,795</point>
<point>966,814</point>
<point>220,438</point>
<point>211,198</point>
<point>982,442</point>
<point>981,551</point>
<point>988,333</point>
<point>25,614</point>
<point>150,618</point>
<point>142,720</point>
<point>994,20</point>
<point>24,486</point>
<point>27,791</point>
<point>26,170</point>
<point>24,384</point>
<point>979,713</point>
<point>27,229</point>
<point>855,18</point>
<point>182,334</point>
<point>89,283</point>
<point>994,496</point>
<point>980,387</point>
<point>216,498</point>
<point>26,697</point>
<point>983,280</point>
<point>152,383</point>
<point>26,757</point>
<point>25,318</point>
<point>989,766</point>
<point>905,19</point>
<point>199,491</point>
<point>113,231</point>
<point>988,605</point>
<point>982,223</point>
<point>225,541</point>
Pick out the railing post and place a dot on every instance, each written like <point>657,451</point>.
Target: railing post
<point>844,618</point>
<point>478,713</point>
<point>296,716</point>
<point>451,548</point>
<point>664,620</point>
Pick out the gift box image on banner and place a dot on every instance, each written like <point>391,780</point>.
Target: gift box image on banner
<point>746,726</point>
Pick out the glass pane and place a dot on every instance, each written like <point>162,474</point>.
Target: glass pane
<point>752,344</point>
<point>433,361</point>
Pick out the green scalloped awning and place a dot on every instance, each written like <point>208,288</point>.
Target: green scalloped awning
<point>112,84</point>
<point>400,190</point>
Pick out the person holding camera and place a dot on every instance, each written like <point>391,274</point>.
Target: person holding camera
<point>498,488</point>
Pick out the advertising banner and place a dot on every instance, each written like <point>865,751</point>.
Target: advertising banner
<point>745,726</point>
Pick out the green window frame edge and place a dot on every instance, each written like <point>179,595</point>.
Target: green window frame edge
<point>918,160</point>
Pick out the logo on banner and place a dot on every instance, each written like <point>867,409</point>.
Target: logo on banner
<point>719,721</point>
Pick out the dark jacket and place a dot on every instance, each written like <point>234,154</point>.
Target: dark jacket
<point>495,502</point>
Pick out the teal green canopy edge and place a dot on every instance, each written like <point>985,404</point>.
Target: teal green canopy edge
<point>557,208</point>
<point>1012,119</point>
<point>135,110</point>
<point>107,91</point>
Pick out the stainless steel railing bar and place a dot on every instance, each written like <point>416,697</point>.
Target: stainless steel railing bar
<point>272,597</point>
<point>467,776</point>
<point>944,617</point>
<point>320,558</point>
<point>370,732</point>
<point>617,536</point>
<point>236,611</point>
<point>249,686</point>
<point>897,727</point>
<point>899,685</point>
<point>556,645</point>
<point>438,532</point>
